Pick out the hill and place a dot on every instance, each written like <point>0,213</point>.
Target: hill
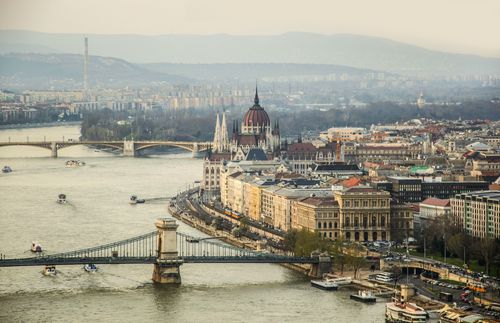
<point>300,48</point>
<point>65,71</point>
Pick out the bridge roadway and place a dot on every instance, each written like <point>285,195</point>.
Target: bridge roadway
<point>143,249</point>
<point>128,147</point>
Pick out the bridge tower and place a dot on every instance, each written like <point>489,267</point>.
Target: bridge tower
<point>53,149</point>
<point>166,269</point>
<point>196,151</point>
<point>324,266</point>
<point>128,148</point>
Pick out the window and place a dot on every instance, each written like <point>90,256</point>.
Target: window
<point>335,225</point>
<point>374,221</point>
<point>347,221</point>
<point>330,225</point>
<point>356,221</point>
<point>365,221</point>
<point>319,225</point>
<point>382,221</point>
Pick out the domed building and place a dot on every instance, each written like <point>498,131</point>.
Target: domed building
<point>255,131</point>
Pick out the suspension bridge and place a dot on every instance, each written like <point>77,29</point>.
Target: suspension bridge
<point>167,250</point>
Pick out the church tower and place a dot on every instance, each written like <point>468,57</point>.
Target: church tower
<point>217,135</point>
<point>224,140</point>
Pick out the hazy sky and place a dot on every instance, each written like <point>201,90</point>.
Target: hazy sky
<point>467,26</point>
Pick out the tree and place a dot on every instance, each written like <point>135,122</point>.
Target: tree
<point>488,250</point>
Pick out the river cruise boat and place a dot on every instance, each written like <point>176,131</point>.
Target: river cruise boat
<point>364,296</point>
<point>61,199</point>
<point>74,163</point>
<point>324,284</point>
<point>404,312</point>
<point>50,270</point>
<point>6,169</point>
<point>36,247</point>
<point>90,268</point>
<point>341,280</point>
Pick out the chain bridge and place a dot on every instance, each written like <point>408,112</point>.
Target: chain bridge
<point>129,147</point>
<point>166,249</point>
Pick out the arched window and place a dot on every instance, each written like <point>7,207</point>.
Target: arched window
<point>374,236</point>
<point>330,234</point>
<point>329,225</point>
<point>335,225</point>
<point>356,236</point>
<point>382,221</point>
<point>319,225</point>
<point>356,221</point>
<point>347,222</point>
<point>374,221</point>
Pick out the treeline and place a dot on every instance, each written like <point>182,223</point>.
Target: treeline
<point>443,234</point>
<point>199,124</point>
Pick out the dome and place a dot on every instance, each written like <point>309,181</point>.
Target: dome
<point>256,115</point>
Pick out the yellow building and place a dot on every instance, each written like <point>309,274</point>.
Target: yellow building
<point>364,214</point>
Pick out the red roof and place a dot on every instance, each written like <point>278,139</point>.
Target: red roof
<point>353,181</point>
<point>436,202</point>
<point>256,116</point>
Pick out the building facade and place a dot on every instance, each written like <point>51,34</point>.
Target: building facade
<point>478,213</point>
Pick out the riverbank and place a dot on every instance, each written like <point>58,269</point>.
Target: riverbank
<point>40,125</point>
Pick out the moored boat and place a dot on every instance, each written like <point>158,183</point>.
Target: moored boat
<point>340,280</point>
<point>135,200</point>
<point>90,268</point>
<point>36,247</point>
<point>324,284</point>
<point>404,312</point>
<point>50,270</point>
<point>6,169</point>
<point>364,296</point>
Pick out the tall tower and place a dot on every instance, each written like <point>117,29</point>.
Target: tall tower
<point>217,135</point>
<point>224,140</point>
<point>85,70</point>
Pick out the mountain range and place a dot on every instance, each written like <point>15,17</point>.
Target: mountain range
<point>298,48</point>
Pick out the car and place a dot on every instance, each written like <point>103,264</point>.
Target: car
<point>466,308</point>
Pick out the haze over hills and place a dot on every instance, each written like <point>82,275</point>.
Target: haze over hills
<point>302,48</point>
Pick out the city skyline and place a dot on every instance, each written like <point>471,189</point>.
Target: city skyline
<point>469,27</point>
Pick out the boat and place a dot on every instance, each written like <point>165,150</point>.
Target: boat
<point>61,199</point>
<point>50,270</point>
<point>6,169</point>
<point>324,284</point>
<point>74,163</point>
<point>36,247</point>
<point>135,200</point>
<point>90,268</point>
<point>404,312</point>
<point>364,296</point>
<point>340,280</point>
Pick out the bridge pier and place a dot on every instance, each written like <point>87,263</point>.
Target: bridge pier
<point>129,148</point>
<point>324,266</point>
<point>166,269</point>
<point>53,149</point>
<point>196,151</point>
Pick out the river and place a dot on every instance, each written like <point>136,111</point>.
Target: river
<point>98,212</point>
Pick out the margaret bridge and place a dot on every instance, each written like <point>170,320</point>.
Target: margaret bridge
<point>167,250</point>
<point>129,148</point>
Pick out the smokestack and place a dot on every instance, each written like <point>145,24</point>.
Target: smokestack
<point>85,69</point>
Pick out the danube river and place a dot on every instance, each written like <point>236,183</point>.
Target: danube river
<point>98,212</point>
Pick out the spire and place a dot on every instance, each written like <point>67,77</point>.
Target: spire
<point>224,141</point>
<point>256,99</point>
<point>217,134</point>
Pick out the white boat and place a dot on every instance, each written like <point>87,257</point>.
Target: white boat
<point>61,199</point>
<point>135,200</point>
<point>50,270</point>
<point>74,163</point>
<point>6,169</point>
<point>90,268</point>
<point>340,280</point>
<point>36,247</point>
<point>324,284</point>
<point>404,312</point>
<point>364,296</point>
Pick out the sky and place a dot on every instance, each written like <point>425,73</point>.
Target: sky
<point>462,26</point>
